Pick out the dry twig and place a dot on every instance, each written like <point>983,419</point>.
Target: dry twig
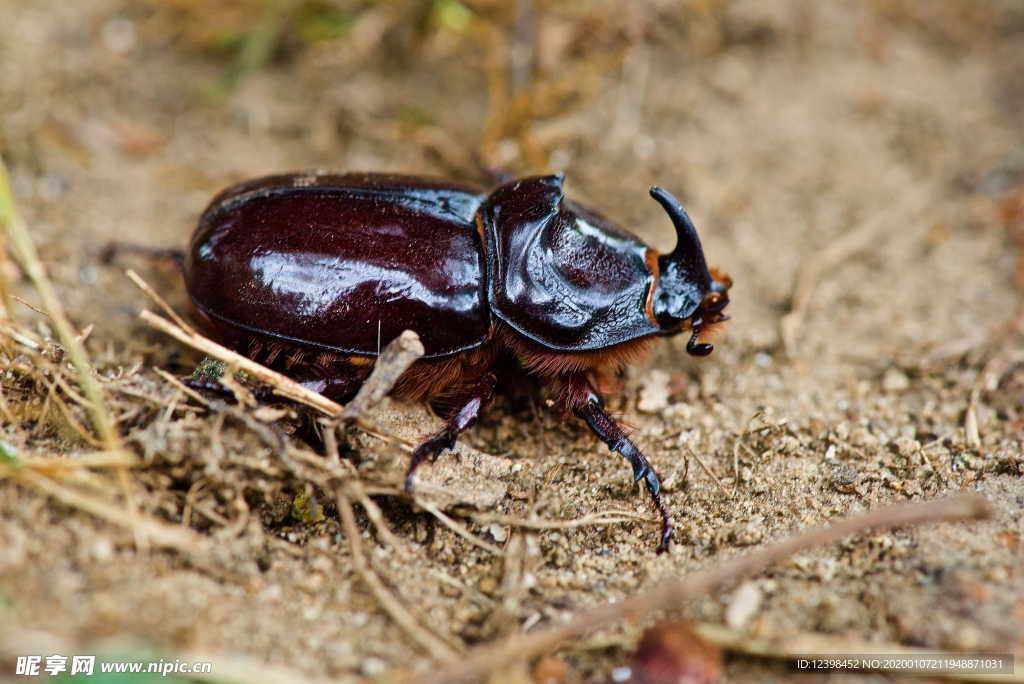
<point>401,352</point>
<point>459,529</point>
<point>282,385</point>
<point>671,593</point>
<point>708,471</point>
<point>21,242</point>
<point>152,294</point>
<point>103,422</point>
<point>599,518</point>
<point>437,648</point>
<point>155,531</point>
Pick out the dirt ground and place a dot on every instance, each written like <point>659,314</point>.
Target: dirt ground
<point>856,167</point>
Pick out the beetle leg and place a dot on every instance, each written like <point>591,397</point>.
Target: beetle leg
<point>261,393</point>
<point>339,388</point>
<point>479,397</point>
<point>590,408</point>
<point>211,386</point>
<point>111,251</point>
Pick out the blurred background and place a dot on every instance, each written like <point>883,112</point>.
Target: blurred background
<point>856,167</point>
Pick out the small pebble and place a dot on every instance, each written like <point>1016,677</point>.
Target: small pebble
<point>373,667</point>
<point>489,586</point>
<point>102,550</point>
<point>906,446</point>
<point>895,380</point>
<point>744,606</point>
<point>654,391</point>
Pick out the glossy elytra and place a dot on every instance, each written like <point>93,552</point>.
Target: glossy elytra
<point>315,273</point>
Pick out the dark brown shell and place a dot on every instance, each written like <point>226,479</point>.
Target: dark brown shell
<point>343,263</point>
<point>561,275</point>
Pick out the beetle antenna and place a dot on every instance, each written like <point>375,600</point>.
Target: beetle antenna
<point>693,347</point>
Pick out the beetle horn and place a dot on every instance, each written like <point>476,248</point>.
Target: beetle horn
<point>684,279</point>
<point>688,252</point>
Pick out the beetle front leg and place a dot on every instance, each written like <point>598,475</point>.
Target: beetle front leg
<point>479,397</point>
<point>587,405</point>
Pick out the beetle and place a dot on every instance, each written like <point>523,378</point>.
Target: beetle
<point>315,272</point>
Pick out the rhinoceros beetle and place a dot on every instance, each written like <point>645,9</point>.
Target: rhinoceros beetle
<point>314,273</point>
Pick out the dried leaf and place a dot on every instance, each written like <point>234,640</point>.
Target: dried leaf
<point>670,653</point>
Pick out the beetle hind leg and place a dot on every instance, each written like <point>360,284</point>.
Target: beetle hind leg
<point>477,399</point>
<point>112,250</point>
<point>588,406</point>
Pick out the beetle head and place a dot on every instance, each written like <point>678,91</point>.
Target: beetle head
<point>687,292</point>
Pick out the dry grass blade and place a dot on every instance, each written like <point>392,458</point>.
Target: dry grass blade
<point>670,593</point>
<point>95,403</point>
<point>460,530</point>
<point>282,385</point>
<point>707,471</point>
<point>437,648</point>
<point>152,294</point>
<point>399,354</point>
<point>155,531</point>
<point>599,518</point>
<point>21,242</point>
<point>96,459</point>
<point>182,387</point>
<point>5,288</point>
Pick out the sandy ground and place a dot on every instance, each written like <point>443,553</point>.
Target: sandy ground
<point>859,163</point>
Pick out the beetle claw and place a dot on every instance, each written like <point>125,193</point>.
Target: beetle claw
<point>431,449</point>
<point>695,348</point>
<point>604,427</point>
<point>478,399</point>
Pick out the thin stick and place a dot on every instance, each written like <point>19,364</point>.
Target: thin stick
<point>708,471</point>
<point>1002,361</point>
<point>671,593</point>
<point>438,649</point>
<point>282,385</point>
<point>459,529</point>
<point>810,645</point>
<point>95,459</point>
<point>376,516</point>
<point>397,357</point>
<point>103,422</point>
<point>600,518</point>
<point>182,387</point>
<point>152,294</point>
<point>23,246</point>
<point>157,532</point>
<point>401,352</point>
